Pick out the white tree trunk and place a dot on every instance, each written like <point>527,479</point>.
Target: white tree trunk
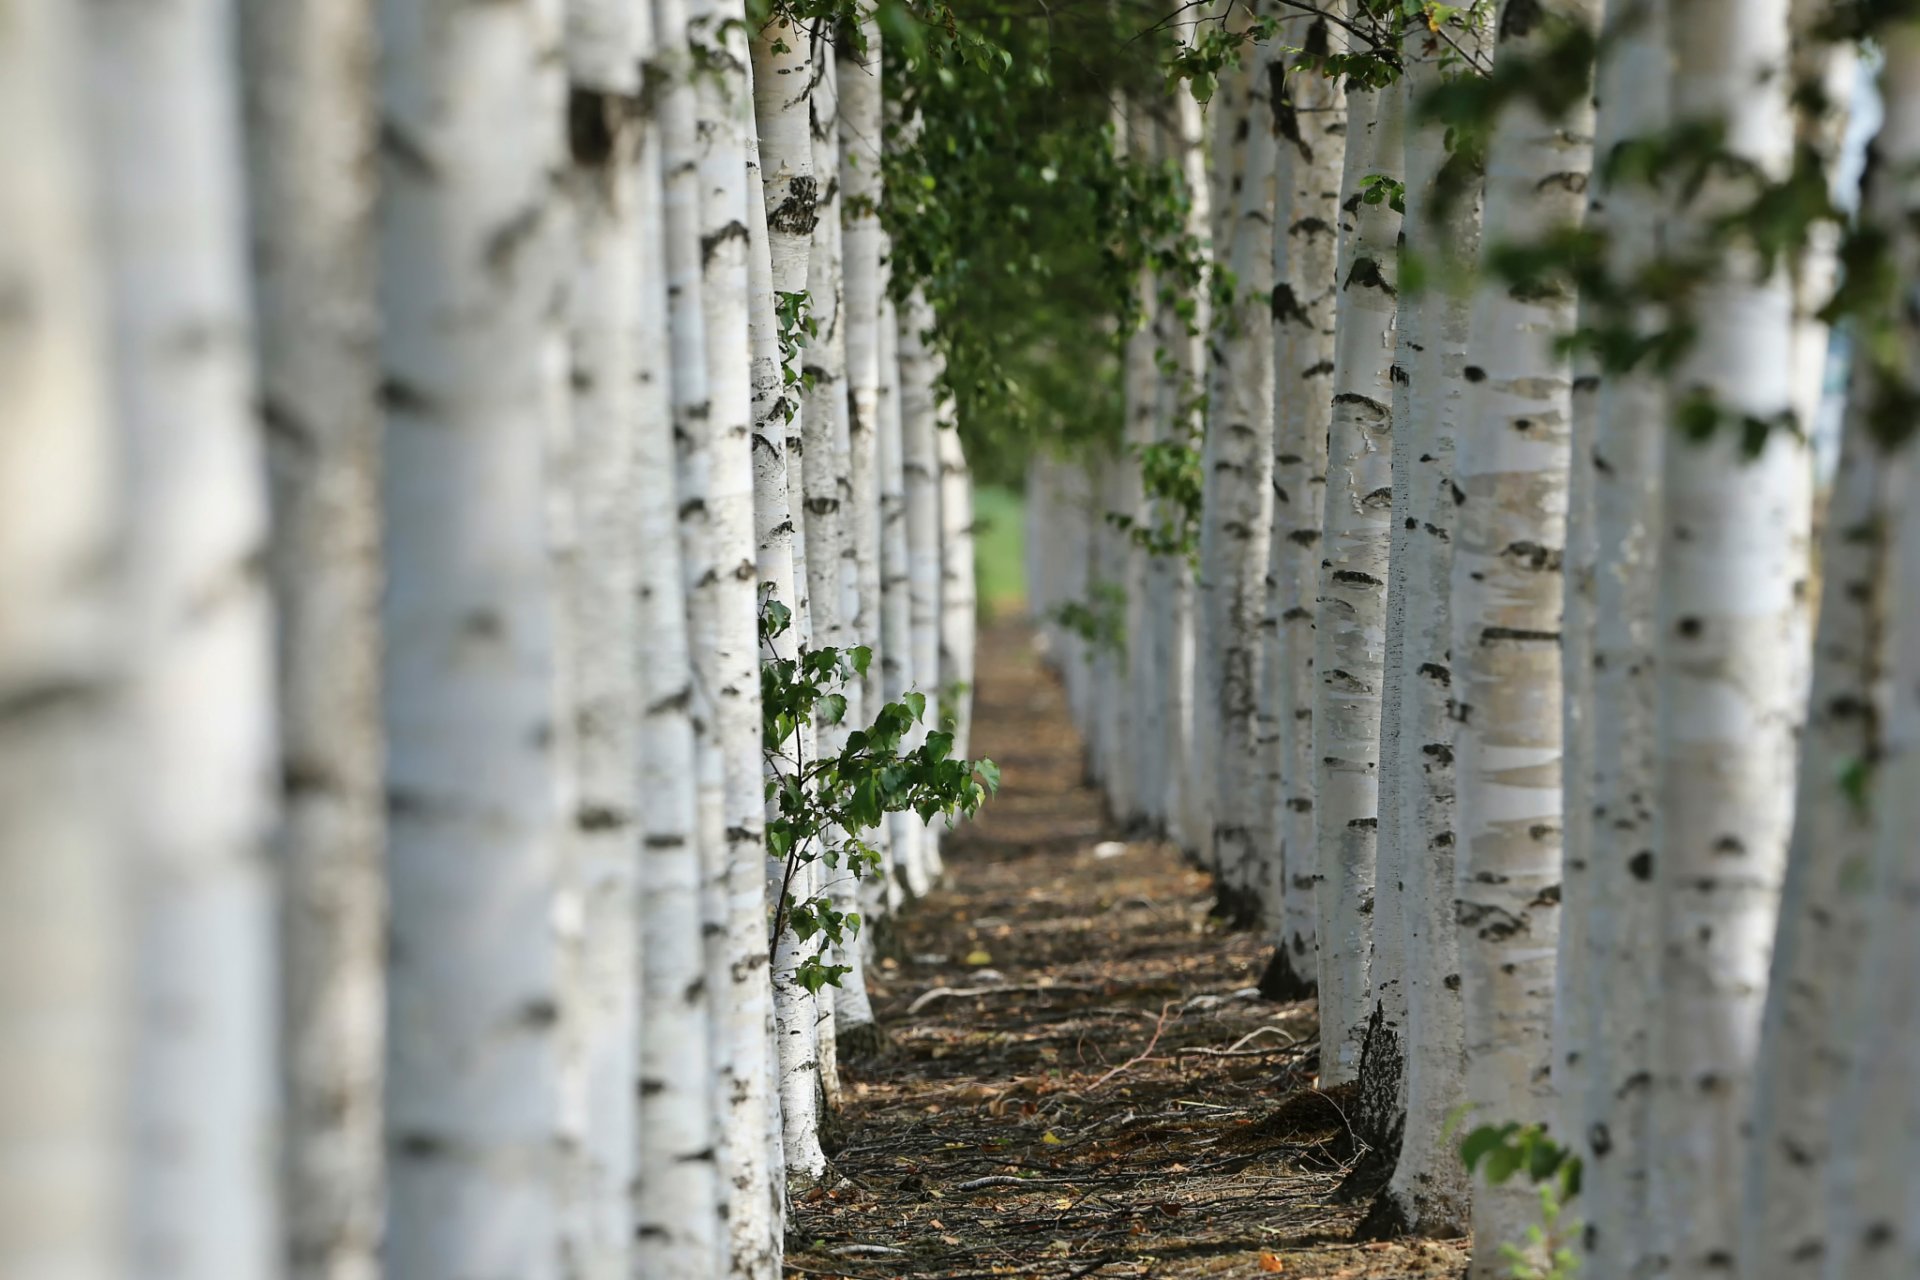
<point>65,1005</point>
<point>1306,298</point>
<point>677,1226</point>
<point>1866,1228</point>
<point>1241,498</point>
<point>1228,126</point>
<point>1806,1051</point>
<point>1429,1192</point>
<point>725,612</point>
<point>311,134</point>
<point>1180,392</point>
<point>1350,613</point>
<point>782,97</point>
<point>1379,1109</point>
<point>1510,481</point>
<point>708,403</point>
<point>1629,425</point>
<point>1730,649</point>
<point>904,829</point>
<point>165,114</point>
<point>600,903</point>
<point>473,126</point>
<point>957,605</point>
<point>920,460</point>
<point>858,140</point>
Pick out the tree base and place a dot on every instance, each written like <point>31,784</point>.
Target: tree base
<point>832,1127</point>
<point>1284,984</point>
<point>1386,1219</point>
<point>863,1042</point>
<point>1238,908</point>
<point>1377,1118</point>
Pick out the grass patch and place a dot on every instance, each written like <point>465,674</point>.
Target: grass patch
<point>999,549</point>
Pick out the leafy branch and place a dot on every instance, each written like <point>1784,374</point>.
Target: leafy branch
<point>825,808</point>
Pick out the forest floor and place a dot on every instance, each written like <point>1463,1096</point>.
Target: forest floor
<point>1081,1081</point>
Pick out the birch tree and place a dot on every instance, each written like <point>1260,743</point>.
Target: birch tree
<point>724,614</point>
<point>1510,484</point>
<point>65,873</point>
<point>858,118</point>
<point>599,896</point>
<point>920,461</point>
<point>1629,425</point>
<point>782,94</point>
<point>1306,298</point>
<point>1234,560</point>
<point>311,135</point>
<point>1350,628</point>
<point>956,579</point>
<point>1867,1151</point>
<point>676,1234</point>
<point>1729,646</point>
<point>200,699</point>
<point>1428,1191</point>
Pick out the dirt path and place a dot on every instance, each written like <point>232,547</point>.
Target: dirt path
<point>1116,1103</point>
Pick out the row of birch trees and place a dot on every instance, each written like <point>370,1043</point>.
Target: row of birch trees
<point>434,438</point>
<point>1460,602</point>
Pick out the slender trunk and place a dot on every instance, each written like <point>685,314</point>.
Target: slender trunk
<point>1305,300</point>
<point>700,423</point>
<point>311,132</point>
<point>1230,126</point>
<point>1730,651</point>
<point>1510,482</point>
<point>1623,450</point>
<point>1856,1104</point>
<point>1825,909</point>
<point>956,581</point>
<point>1349,633</point>
<point>858,139</point>
<point>1428,1192</point>
<point>1379,1110</point>
<point>1181,390</point>
<point>599,884</point>
<point>202,1187</point>
<point>64,824</point>
<point>904,829</point>
<point>676,1225</point>
<point>920,461</point>
<point>1242,510</point>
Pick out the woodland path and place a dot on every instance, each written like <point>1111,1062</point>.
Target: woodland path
<point>1114,1107</point>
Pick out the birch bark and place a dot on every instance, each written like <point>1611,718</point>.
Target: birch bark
<point>1730,650</point>
<point>724,614</point>
<point>1510,482</point>
<point>858,145</point>
<point>65,872</point>
<point>677,1223</point>
<point>920,460</point>
<point>1349,632</point>
<point>1629,426</point>
<point>1305,300</point>
<point>164,113</point>
<point>1865,1227</point>
<point>1428,1192</point>
<point>1241,476</point>
<point>311,140</point>
<point>599,892</point>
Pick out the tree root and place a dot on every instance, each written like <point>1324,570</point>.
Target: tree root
<point>1282,982</point>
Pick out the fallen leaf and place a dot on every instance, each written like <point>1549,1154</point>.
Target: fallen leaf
<point>1271,1262</point>
<point>1051,1138</point>
<point>1064,1202</point>
<point>978,956</point>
